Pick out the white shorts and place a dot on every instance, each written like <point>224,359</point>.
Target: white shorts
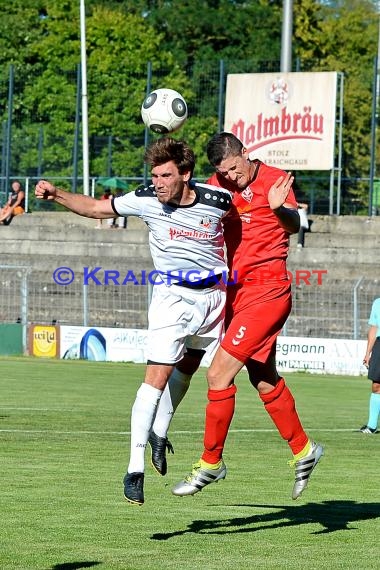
<point>181,317</point>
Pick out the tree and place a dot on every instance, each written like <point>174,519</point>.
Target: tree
<point>199,30</point>
<point>342,36</point>
<point>118,48</point>
<point>184,43</point>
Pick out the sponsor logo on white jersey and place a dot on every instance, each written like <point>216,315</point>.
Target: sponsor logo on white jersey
<point>176,233</point>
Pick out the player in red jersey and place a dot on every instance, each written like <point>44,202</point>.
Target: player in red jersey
<point>256,231</point>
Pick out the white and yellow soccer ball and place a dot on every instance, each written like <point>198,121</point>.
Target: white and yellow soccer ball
<point>164,111</point>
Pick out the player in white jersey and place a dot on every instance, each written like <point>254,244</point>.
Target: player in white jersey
<point>187,308</point>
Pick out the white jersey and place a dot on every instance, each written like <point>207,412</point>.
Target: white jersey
<point>186,242</point>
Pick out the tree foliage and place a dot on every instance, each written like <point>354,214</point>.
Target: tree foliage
<point>342,36</point>
<point>201,30</point>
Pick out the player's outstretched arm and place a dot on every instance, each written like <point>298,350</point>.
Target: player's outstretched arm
<point>77,203</point>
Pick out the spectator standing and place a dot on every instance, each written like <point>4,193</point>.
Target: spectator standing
<point>107,195</point>
<point>304,224</point>
<point>121,221</point>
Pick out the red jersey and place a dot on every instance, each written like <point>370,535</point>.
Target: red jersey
<point>257,246</point>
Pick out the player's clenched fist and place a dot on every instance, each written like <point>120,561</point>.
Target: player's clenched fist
<point>45,190</point>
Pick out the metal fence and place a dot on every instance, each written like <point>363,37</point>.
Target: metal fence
<point>317,204</point>
<point>332,309</point>
<point>335,308</point>
<point>50,147</point>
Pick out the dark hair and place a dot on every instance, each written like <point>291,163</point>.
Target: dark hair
<point>19,183</point>
<point>222,145</point>
<point>167,149</point>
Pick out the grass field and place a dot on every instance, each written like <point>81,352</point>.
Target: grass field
<point>64,433</point>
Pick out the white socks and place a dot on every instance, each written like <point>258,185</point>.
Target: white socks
<point>153,405</point>
<point>175,390</point>
<point>143,412</point>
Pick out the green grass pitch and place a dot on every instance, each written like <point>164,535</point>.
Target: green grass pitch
<point>64,433</point>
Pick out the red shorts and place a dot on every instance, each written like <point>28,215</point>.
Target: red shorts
<point>255,315</point>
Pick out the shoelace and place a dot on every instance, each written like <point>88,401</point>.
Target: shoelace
<point>293,462</point>
<point>196,467</point>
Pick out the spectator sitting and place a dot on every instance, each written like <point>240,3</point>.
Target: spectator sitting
<point>15,204</point>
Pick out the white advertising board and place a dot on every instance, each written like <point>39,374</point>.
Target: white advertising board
<point>98,343</point>
<point>286,120</point>
<point>321,355</point>
<point>294,354</point>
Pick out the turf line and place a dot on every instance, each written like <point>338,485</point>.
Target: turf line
<point>183,432</point>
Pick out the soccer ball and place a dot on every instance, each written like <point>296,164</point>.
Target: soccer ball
<point>164,111</point>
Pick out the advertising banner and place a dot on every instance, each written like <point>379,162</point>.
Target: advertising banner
<point>116,345</point>
<point>286,120</point>
<point>321,355</point>
<point>44,341</point>
<point>294,354</point>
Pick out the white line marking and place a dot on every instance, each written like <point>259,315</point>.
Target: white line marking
<point>179,432</point>
<point>6,408</point>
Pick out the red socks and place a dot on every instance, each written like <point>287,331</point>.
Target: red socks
<point>219,413</point>
<point>280,405</point>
